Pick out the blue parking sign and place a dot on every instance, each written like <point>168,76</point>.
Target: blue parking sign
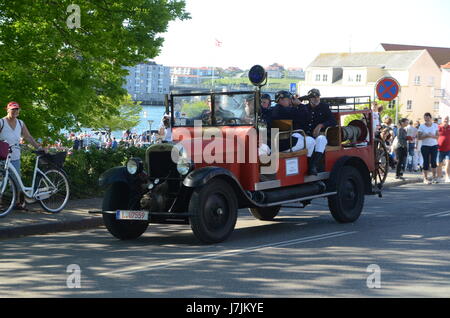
<point>293,88</point>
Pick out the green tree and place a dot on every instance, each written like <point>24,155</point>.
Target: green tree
<point>127,117</point>
<point>63,75</point>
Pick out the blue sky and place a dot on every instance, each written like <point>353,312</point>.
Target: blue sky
<point>293,32</point>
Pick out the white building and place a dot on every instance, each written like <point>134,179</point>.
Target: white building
<point>356,74</point>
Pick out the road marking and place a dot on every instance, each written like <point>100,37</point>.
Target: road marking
<point>234,252</point>
<point>438,214</point>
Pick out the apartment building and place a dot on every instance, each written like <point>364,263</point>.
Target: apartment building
<point>356,74</point>
<point>183,75</point>
<point>148,82</point>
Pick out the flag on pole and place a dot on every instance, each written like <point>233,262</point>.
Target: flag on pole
<point>218,43</point>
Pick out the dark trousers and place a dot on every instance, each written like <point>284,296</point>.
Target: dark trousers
<point>429,154</point>
<point>410,162</point>
<point>401,153</point>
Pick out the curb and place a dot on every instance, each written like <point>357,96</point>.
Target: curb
<point>51,227</point>
<point>402,182</point>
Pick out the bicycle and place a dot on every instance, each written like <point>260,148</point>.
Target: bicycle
<point>49,187</point>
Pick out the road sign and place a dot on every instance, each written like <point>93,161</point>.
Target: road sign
<point>293,88</point>
<point>387,89</point>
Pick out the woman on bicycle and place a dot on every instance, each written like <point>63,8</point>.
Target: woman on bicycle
<point>11,130</point>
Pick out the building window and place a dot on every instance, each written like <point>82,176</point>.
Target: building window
<point>358,78</point>
<point>409,105</point>
<point>350,78</point>
<point>325,77</point>
<point>317,77</point>
<point>417,80</point>
<point>436,106</point>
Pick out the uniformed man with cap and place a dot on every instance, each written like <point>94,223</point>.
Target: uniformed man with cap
<point>284,110</point>
<point>318,118</point>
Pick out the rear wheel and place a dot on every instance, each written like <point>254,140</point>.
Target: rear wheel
<point>380,173</point>
<point>214,211</point>
<point>118,197</point>
<point>346,206</point>
<point>265,214</point>
<point>8,195</point>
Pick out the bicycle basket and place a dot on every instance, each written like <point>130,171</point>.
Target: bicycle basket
<point>4,150</point>
<point>54,159</point>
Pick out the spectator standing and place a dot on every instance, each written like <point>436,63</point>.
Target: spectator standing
<point>114,143</point>
<point>401,148</point>
<point>444,149</point>
<point>376,116</point>
<point>418,158</point>
<point>165,130</point>
<point>411,134</point>
<point>428,133</point>
<point>12,129</point>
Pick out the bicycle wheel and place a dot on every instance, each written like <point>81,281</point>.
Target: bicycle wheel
<point>8,195</point>
<point>53,193</point>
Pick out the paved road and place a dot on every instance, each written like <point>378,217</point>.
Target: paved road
<point>305,253</point>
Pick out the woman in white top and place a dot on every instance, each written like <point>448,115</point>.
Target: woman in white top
<point>429,133</point>
<point>11,130</point>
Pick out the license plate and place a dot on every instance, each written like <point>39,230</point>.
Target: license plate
<point>132,215</point>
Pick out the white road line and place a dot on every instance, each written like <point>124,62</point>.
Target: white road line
<point>212,256</point>
<point>436,214</point>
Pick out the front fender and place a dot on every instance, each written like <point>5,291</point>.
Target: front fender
<point>200,177</point>
<point>114,175</point>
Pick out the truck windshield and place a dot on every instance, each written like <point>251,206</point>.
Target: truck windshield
<point>218,109</point>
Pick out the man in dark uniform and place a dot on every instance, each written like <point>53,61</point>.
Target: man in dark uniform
<point>284,110</point>
<point>319,117</point>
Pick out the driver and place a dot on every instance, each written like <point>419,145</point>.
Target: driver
<point>221,114</point>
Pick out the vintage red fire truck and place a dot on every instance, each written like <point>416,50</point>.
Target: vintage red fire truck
<point>215,166</point>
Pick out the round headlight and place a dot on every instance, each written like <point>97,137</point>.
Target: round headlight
<point>183,167</point>
<point>134,166</point>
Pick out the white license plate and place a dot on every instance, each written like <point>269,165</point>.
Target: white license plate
<point>132,215</point>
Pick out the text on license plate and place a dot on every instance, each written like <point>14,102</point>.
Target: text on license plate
<point>132,215</point>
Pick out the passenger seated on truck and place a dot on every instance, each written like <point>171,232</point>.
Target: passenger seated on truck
<point>318,118</point>
<point>282,111</point>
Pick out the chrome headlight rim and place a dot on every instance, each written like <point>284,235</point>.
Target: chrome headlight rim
<point>135,166</point>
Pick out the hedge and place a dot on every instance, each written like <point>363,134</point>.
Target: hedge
<point>84,168</point>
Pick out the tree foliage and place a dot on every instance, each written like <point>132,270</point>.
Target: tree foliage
<point>127,117</point>
<point>63,76</point>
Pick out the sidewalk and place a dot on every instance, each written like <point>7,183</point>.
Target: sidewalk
<point>76,217</point>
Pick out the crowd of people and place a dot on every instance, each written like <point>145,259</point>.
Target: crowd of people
<point>416,146</point>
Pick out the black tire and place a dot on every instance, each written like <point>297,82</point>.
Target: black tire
<point>346,206</point>
<point>214,211</point>
<point>60,197</point>
<point>265,214</point>
<point>118,197</point>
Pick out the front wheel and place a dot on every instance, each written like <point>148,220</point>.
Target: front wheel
<point>8,195</point>
<point>53,191</point>
<point>118,197</point>
<point>346,206</point>
<point>214,211</point>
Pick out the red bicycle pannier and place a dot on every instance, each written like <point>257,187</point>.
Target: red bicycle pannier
<point>4,150</point>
